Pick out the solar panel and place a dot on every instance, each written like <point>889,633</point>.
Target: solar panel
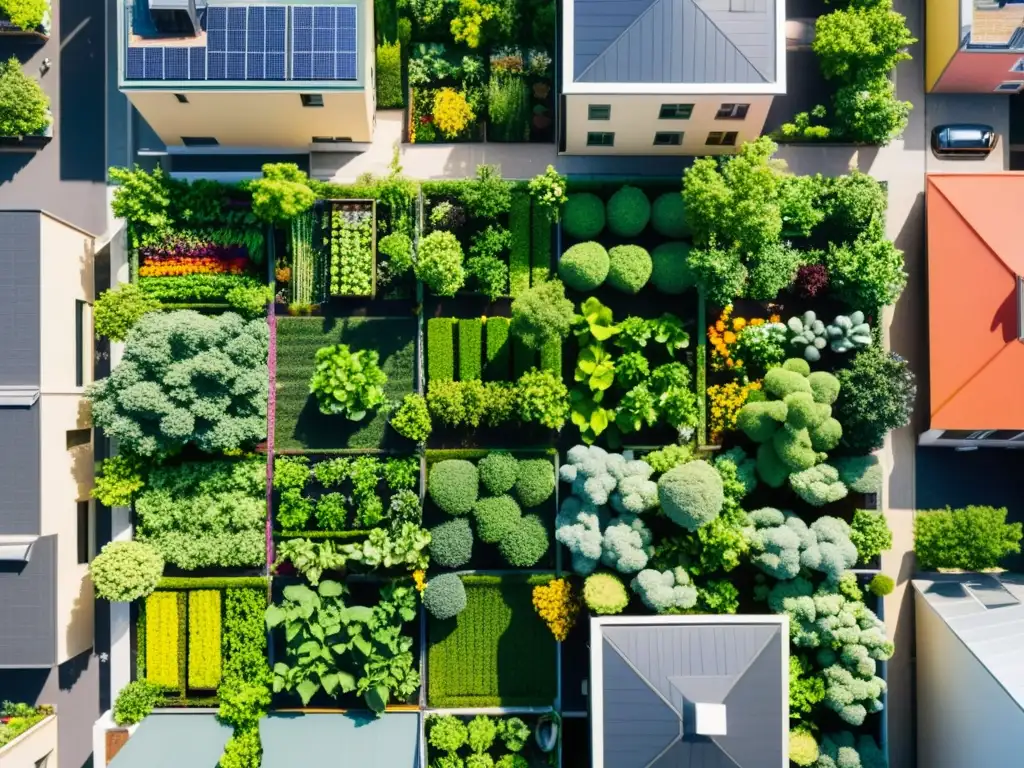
<point>216,64</point>
<point>235,66</point>
<point>302,17</point>
<point>197,63</point>
<point>324,43</point>
<point>236,41</point>
<point>275,66</point>
<point>302,40</point>
<point>154,62</point>
<point>135,68</point>
<point>323,39</point>
<point>176,64</point>
<point>217,40</point>
<point>345,65</point>
<point>216,18</point>
<point>323,66</point>
<point>236,17</point>
<point>255,63</point>
<point>302,66</point>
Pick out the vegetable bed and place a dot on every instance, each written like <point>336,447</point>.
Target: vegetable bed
<point>497,652</point>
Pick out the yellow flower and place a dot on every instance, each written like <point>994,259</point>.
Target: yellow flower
<point>730,337</point>
<point>557,606</point>
<point>420,579</point>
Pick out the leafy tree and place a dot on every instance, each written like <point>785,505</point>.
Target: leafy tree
<point>186,378</point>
<point>868,111</point>
<point>973,538</point>
<point>855,40</point>
<point>866,273</point>
<point>142,198</point>
<point>439,263</point>
<point>126,570</point>
<point>282,194</point>
<point>876,396</point>
<point>542,314</point>
<point>118,309</point>
<point>24,107</point>
<point>854,203</point>
<point>719,273</point>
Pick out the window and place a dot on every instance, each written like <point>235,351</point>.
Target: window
<point>600,139</point>
<point>80,343</point>
<point>83,532</point>
<point>332,139</point>
<point>312,99</point>
<point>1018,66</point>
<point>1012,86</point>
<point>721,139</point>
<point>199,141</point>
<point>77,437</point>
<point>599,112</point>
<point>181,97</point>
<point>668,138</point>
<point>675,112</point>
<point>732,112</point>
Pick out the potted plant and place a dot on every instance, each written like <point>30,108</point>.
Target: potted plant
<point>24,108</point>
<point>546,731</point>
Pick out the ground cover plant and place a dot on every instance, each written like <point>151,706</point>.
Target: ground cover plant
<point>503,741</point>
<point>496,652</point>
<point>16,718</point>
<point>299,422</point>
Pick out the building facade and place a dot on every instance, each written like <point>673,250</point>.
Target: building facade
<point>974,46</point>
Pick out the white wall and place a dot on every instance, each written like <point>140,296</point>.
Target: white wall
<point>964,717</point>
<point>634,120</point>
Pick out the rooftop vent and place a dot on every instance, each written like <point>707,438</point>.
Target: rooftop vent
<point>709,719</point>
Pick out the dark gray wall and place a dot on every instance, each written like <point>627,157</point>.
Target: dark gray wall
<point>19,470</point>
<point>28,608</point>
<point>19,298</point>
<point>73,688</point>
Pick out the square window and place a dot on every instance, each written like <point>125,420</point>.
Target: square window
<point>600,139</point>
<point>721,139</point>
<point>77,437</point>
<point>1012,86</point>
<point>312,99</point>
<point>181,97</point>
<point>199,141</point>
<point>732,112</point>
<point>599,112</point>
<point>668,138</point>
<point>675,111</point>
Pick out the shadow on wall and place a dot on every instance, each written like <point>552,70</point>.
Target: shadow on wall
<point>82,117</point>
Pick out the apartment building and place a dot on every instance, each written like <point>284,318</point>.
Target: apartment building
<point>227,73</point>
<point>47,523</point>
<point>673,77</point>
<point>974,46</point>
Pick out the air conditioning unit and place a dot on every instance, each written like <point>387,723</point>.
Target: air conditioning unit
<point>179,18</point>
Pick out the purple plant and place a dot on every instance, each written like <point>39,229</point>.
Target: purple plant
<point>811,279</point>
<point>179,249</point>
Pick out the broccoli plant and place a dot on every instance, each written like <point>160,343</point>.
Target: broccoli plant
<point>627,544</point>
<point>599,478</point>
<point>593,537</point>
<point>843,750</point>
<point>819,485</point>
<point>782,544</point>
<point>794,427</point>
<point>665,591</point>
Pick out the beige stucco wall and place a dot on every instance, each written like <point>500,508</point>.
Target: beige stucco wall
<point>964,717</point>
<point>32,746</point>
<point>634,120</point>
<point>256,118</point>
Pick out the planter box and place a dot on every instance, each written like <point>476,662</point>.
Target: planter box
<point>23,143</point>
<point>33,747</point>
<point>115,740</point>
<point>41,33</point>
<point>330,207</point>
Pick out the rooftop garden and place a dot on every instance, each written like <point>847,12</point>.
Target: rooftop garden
<point>422,483</point>
<point>24,107</point>
<point>16,718</point>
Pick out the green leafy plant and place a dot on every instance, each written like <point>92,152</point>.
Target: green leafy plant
<point>489,195</point>
<point>867,272</point>
<point>25,14</point>
<point>117,310</point>
<point>594,321</point>
<point>542,398</point>
<point>542,315</point>
<point>309,558</point>
<point>412,420</point>
<point>548,191</point>
<point>118,479</point>
<point>24,106</point>
<point>402,545</point>
<point>881,585</point>
<point>669,331</point>
<point>351,243</point>
<point>439,263</point>
<point>447,733</point>
<point>389,76</point>
<point>281,194</point>
<point>876,396</point>
<point>595,367</point>
<point>514,733</point>
<point>135,701</point>
<point>397,247</point>
<point>249,300</point>
<point>604,593</point>
<point>870,533</point>
<point>973,538</point>
<point>124,571</point>
<point>347,383</point>
<point>482,732</point>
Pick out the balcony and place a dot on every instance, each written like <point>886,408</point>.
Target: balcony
<point>183,45</point>
<point>33,748</point>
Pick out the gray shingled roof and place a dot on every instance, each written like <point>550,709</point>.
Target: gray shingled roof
<point>987,613</point>
<point>174,741</point>
<point>352,740</point>
<point>674,41</point>
<point>653,674</point>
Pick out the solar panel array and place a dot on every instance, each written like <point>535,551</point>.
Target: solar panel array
<point>250,43</point>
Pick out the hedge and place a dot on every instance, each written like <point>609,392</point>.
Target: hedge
<point>540,246</point>
<point>470,352</point>
<point>629,269</point>
<point>551,357</point>
<point>519,254</point>
<point>204,638</point>
<point>583,216</point>
<point>668,216</point>
<point>497,348</point>
<point>389,76</point>
<point>584,266</point>
<point>628,212</point>
<point>214,582</point>
<point>162,646</point>
<point>670,270</point>
<point>523,358</point>
<point>440,349</point>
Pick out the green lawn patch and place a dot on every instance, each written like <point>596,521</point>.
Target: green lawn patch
<point>540,246</point>
<point>497,652</point>
<point>497,348</point>
<point>470,352</point>
<point>299,423</point>
<point>440,349</point>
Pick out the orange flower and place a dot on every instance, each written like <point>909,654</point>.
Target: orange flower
<point>730,337</point>
<point>719,326</point>
<point>774,319</point>
<point>738,323</point>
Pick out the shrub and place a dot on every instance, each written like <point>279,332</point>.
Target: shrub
<point>471,334</point>
<point>249,300</point>
<point>535,482</point>
<point>668,216</point>
<point>498,472</point>
<point>412,420</point>
<point>490,195</point>
<point>629,268</point>
<point>670,268</point>
<point>451,543</point>
<point>719,273</point>
<point>447,733</point>
<point>881,585</point>
<point>803,747</point>
<point>440,349</point>
<point>584,266</point>
<point>819,485</point>
<point>347,383</point>
<point>242,750</point>
<point>972,538</point>
<point>117,310</point>
<point>863,474</point>
<point>691,495</point>
<point>556,604</point>
<point>525,543</point>
<point>445,596</point>
<point>496,516</point>
<point>126,570</point>
<point>782,544</point>
<point>389,76</point>
<point>583,216</point>
<point>876,396</point>
<point>605,594</point>
<point>454,485</point>
<point>398,248</point>
<point>281,194</point>
<point>870,533</point>
<point>152,402</point>
<point>439,263</point>
<point>490,274</point>
<point>135,701</point>
<point>772,271</point>
<point>542,398</point>
<point>452,112</point>
<point>482,732</point>
<point>25,14</point>
<point>811,279</point>
<point>548,192</point>
<point>628,212</point>
<point>118,480</point>
<point>542,314</point>
<point>24,106</point>
<point>866,273</point>
<point>665,591</point>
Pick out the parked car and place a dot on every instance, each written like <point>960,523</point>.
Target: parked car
<point>963,140</point>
